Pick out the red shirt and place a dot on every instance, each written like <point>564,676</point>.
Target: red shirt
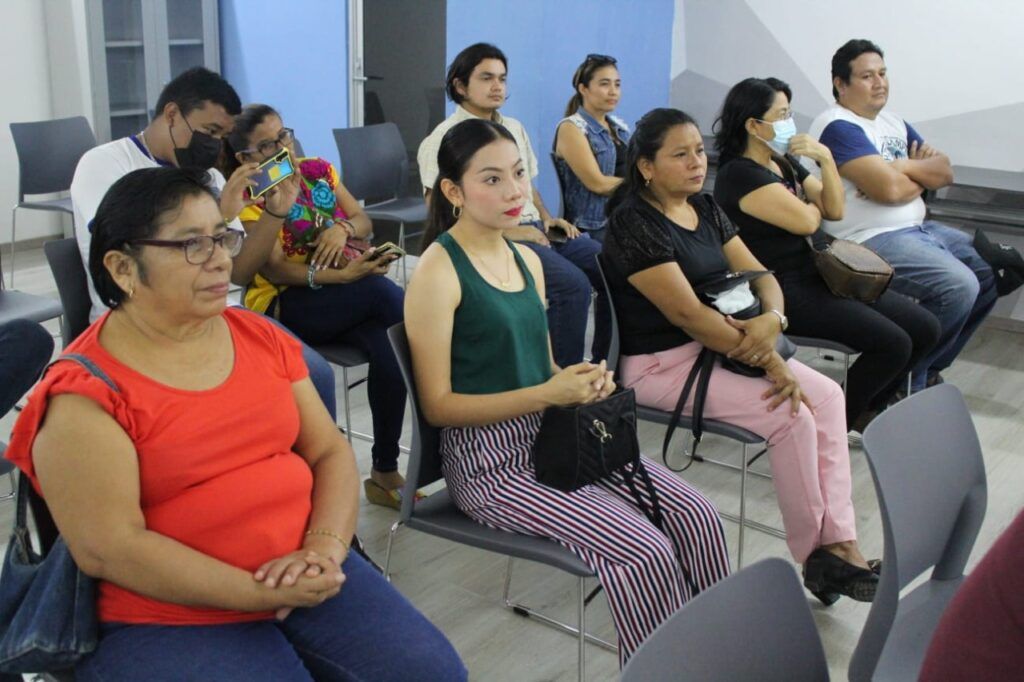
<point>216,468</point>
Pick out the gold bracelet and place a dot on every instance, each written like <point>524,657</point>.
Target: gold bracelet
<point>330,534</point>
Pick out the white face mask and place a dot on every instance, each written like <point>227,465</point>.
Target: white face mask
<point>784,132</point>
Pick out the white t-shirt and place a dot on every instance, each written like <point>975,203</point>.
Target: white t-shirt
<point>426,156</point>
<point>96,172</point>
<point>850,137</point>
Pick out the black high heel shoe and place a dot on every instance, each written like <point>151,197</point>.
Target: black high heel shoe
<point>828,577</point>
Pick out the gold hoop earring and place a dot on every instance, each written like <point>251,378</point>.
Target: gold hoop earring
<point>131,292</point>
<point>457,212</point>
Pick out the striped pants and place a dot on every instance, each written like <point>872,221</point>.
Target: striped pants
<point>491,479</point>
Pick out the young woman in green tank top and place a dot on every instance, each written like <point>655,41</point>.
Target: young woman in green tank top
<point>475,317</point>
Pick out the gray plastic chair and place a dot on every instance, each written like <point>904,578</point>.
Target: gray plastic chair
<point>437,515</point>
<point>346,357</point>
<point>17,305</point>
<point>754,625</point>
<point>375,169</point>
<point>930,479</point>
<point>72,286</point>
<point>48,152</point>
<point>736,433</point>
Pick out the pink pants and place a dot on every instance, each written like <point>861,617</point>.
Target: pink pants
<point>810,458</point>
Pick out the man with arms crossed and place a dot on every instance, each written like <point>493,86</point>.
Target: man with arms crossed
<point>886,165</point>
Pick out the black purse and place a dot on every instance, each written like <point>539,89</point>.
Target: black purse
<point>699,377</point>
<point>583,444</point>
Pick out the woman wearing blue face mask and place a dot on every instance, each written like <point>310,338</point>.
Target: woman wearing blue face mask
<point>777,205</point>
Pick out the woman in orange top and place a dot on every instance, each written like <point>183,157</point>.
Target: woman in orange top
<point>207,488</point>
<point>325,284</point>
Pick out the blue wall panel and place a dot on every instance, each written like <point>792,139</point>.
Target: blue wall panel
<point>546,40</point>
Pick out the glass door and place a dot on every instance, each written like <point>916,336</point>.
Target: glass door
<point>129,63</point>
<point>191,29</point>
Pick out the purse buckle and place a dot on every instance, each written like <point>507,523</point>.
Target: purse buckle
<point>597,428</point>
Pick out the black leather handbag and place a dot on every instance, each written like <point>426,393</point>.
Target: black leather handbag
<point>583,444</point>
<point>699,377</point>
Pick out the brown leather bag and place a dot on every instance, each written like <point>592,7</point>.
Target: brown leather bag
<point>849,269</point>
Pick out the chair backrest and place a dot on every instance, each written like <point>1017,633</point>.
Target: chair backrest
<point>930,480</point>
<point>425,453</point>
<point>562,210</point>
<point>48,152</point>
<point>374,163</point>
<point>613,344</point>
<point>754,625</point>
<point>72,285</point>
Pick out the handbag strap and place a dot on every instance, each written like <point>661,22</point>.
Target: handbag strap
<point>653,512</point>
<point>24,490</point>
<point>700,375</point>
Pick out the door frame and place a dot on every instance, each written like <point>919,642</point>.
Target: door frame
<point>356,74</point>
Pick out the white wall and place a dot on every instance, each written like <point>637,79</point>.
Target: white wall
<point>956,70</point>
<point>25,74</point>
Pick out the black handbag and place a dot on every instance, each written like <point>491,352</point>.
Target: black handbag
<point>583,444</point>
<point>699,377</point>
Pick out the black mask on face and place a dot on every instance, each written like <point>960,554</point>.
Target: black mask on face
<point>202,151</point>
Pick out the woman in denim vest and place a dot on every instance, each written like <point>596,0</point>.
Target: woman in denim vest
<point>590,144</point>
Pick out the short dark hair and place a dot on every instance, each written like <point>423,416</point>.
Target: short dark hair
<point>458,147</point>
<point>134,208</point>
<point>197,85</point>
<point>462,66</point>
<point>238,139</point>
<point>750,98</point>
<point>845,55</point>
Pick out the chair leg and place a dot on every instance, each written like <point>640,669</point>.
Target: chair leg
<point>14,215</point>
<point>508,584</point>
<point>743,506</point>
<point>846,372</point>
<point>401,244</point>
<point>348,408</point>
<point>583,632</point>
<point>387,557</point>
<point>14,488</point>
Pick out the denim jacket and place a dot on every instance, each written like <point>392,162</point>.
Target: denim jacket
<point>582,207</point>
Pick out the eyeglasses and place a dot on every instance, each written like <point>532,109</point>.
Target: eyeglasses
<point>268,147</point>
<point>199,250</point>
<point>592,57</point>
<point>787,117</point>
<point>590,64</point>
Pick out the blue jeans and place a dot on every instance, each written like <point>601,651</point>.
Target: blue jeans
<point>320,373</point>
<point>359,313</point>
<point>367,632</point>
<point>25,350</point>
<point>937,266</point>
<point>570,272</point>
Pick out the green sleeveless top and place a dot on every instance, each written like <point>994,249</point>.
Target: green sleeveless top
<point>499,338</point>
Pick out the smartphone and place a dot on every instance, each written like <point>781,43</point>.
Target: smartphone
<point>270,172</point>
<point>388,249</point>
<point>557,235</point>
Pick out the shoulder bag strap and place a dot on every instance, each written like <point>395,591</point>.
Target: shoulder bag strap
<point>702,365</point>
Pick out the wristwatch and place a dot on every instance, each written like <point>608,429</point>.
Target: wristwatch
<point>783,320</point>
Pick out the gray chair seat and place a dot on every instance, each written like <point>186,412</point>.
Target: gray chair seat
<point>402,210</point>
<point>718,428</point>
<point>438,515</point>
<point>63,205</point>
<point>813,342</point>
<point>342,354</point>
<point>15,305</point>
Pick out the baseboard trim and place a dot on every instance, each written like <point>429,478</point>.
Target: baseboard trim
<point>33,243</point>
<point>1006,324</point>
